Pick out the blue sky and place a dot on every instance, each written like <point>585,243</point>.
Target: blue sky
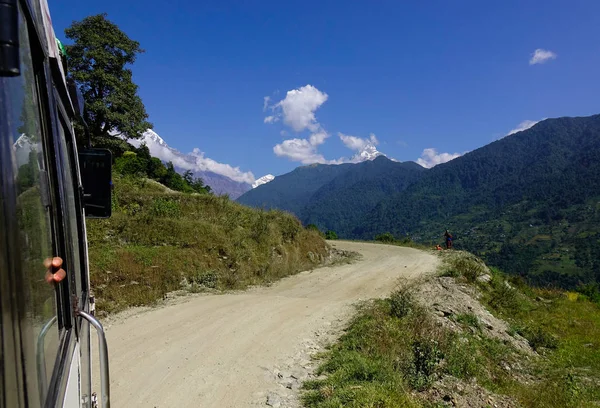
<point>452,76</point>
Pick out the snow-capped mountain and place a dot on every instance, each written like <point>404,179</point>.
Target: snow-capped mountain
<point>369,152</point>
<point>222,178</point>
<point>263,180</point>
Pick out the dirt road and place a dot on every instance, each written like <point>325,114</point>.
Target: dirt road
<point>238,350</point>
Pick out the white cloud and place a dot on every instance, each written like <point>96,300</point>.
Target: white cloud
<point>541,56</point>
<point>267,99</point>
<point>194,161</point>
<point>430,158</point>
<point>300,150</point>
<point>298,108</point>
<point>318,137</point>
<point>357,143</point>
<point>526,124</point>
<point>205,164</point>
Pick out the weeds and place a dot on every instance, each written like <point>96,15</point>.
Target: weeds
<point>469,320</point>
<point>392,350</point>
<point>158,237</point>
<point>401,303</point>
<point>465,265</point>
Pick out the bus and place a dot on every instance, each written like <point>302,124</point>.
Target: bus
<point>48,187</point>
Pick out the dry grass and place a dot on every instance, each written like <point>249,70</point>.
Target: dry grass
<point>159,241</point>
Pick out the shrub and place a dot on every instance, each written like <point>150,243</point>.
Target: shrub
<point>401,303</point>
<point>426,356</point>
<point>591,291</point>
<point>538,337</point>
<point>331,235</point>
<point>164,207</point>
<point>503,296</point>
<point>466,266</point>
<point>469,319</point>
<point>385,237</point>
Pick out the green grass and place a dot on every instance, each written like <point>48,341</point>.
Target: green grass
<point>363,368</point>
<point>384,360</point>
<point>393,350</point>
<point>158,241</point>
<point>564,327</point>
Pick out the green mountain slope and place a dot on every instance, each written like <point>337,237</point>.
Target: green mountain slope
<point>292,191</point>
<point>528,203</point>
<point>341,203</point>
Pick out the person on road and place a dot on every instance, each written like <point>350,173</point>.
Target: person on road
<point>448,237</point>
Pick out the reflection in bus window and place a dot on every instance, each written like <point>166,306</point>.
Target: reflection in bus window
<point>33,212</point>
<point>70,212</point>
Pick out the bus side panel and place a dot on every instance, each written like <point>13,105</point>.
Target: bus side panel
<point>73,393</point>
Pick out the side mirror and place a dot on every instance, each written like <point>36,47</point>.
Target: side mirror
<point>96,176</point>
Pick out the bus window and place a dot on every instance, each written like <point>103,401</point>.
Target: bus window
<point>35,244</point>
<point>73,218</point>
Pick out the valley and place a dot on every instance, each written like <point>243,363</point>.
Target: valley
<point>527,203</point>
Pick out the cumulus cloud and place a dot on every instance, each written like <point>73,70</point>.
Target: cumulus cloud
<point>318,137</point>
<point>297,111</point>
<point>526,124</point>
<point>298,108</point>
<point>357,143</point>
<point>203,163</point>
<point>194,161</point>
<point>267,99</point>
<point>300,150</point>
<point>541,56</point>
<point>430,158</point>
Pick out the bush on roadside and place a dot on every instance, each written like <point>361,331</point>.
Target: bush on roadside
<point>385,237</point>
<point>331,235</point>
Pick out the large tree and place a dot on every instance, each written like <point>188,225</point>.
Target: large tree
<point>98,62</point>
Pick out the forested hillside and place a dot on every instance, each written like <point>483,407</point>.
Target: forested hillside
<point>341,203</point>
<point>528,203</point>
<point>292,191</point>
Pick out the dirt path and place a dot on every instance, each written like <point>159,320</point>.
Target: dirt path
<point>238,350</point>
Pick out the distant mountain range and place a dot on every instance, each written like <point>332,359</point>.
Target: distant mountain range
<point>335,196</point>
<point>529,203</point>
<point>222,178</point>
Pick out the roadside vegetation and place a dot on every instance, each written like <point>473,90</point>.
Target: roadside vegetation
<point>537,348</point>
<point>159,240</point>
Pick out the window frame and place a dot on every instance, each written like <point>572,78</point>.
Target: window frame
<point>17,343</point>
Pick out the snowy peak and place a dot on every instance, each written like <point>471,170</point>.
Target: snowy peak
<point>221,177</point>
<point>151,135</point>
<point>369,152</point>
<point>263,180</point>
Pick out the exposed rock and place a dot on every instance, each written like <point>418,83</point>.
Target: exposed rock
<point>485,278</point>
<point>274,400</point>
<point>443,295</point>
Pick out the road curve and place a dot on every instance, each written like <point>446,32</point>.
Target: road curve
<point>220,350</point>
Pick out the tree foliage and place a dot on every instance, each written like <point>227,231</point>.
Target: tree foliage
<point>98,61</point>
<point>138,162</point>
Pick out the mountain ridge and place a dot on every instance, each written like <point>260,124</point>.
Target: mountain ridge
<point>523,202</point>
